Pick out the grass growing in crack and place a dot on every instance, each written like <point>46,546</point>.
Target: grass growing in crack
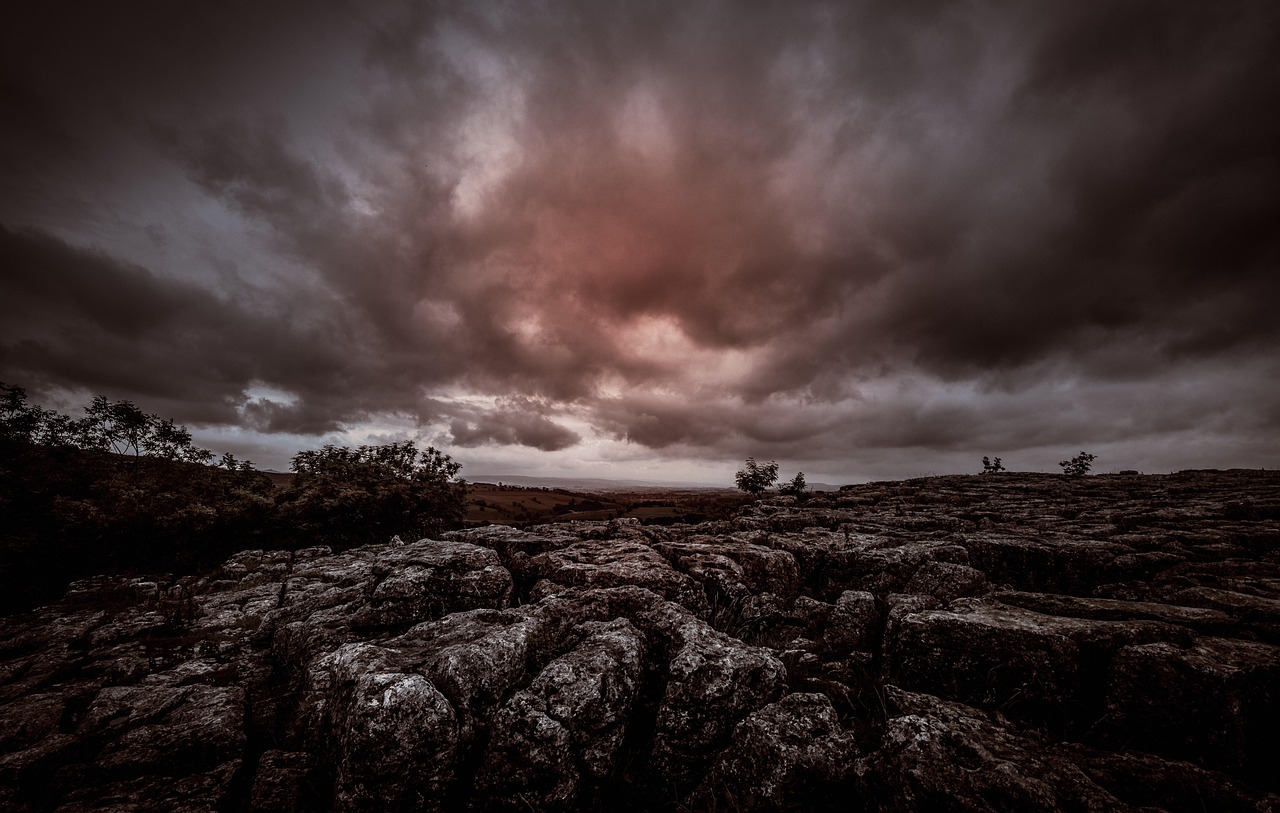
<point>734,617</point>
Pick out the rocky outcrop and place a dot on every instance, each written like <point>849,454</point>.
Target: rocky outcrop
<point>986,643</point>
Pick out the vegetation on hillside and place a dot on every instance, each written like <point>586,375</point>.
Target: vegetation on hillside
<point>757,478</point>
<point>121,491</point>
<point>372,493</point>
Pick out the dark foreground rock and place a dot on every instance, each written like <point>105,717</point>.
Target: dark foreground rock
<point>1020,642</point>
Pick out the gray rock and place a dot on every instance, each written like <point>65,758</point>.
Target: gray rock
<point>947,581</point>
<point>279,783</point>
<point>937,755</point>
<point>554,743</point>
<point>397,737</point>
<point>790,754</point>
<point>1216,704</point>
<point>713,682</point>
<point>854,622</point>
<point>738,663</point>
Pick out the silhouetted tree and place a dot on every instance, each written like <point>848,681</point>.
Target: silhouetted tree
<point>756,478</point>
<point>172,442</point>
<point>230,463</point>
<point>990,466</point>
<point>796,487</point>
<point>18,419</point>
<point>118,427</point>
<point>1079,465</point>
<point>347,496</point>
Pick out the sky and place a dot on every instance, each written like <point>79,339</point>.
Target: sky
<point>646,240</point>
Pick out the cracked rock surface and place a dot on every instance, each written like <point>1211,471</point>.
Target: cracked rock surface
<point>985,643</point>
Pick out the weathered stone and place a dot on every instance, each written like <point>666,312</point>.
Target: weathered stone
<point>477,659</point>
<point>788,755</point>
<point>169,731</point>
<point>719,561</point>
<point>279,784</point>
<point>947,581</point>
<point>612,665</point>
<point>1107,609</point>
<point>396,739</point>
<point>713,682</point>
<point>1061,565</point>
<point>429,579</point>
<point>1153,783</point>
<point>555,742</point>
<point>1216,703</point>
<point>812,614</point>
<point>597,563</point>
<point>937,755</point>
<point>1031,666</point>
<point>854,622</point>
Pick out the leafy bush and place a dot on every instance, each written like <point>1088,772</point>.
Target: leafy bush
<point>990,466</point>
<point>121,491</point>
<point>67,513</point>
<point>344,496</point>
<point>757,478</point>
<point>796,487</point>
<point>1079,465</point>
<point>108,426</point>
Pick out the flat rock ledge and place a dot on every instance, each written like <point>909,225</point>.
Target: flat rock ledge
<point>986,643</point>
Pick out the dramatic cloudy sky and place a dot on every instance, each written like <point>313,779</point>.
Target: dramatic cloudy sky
<point>648,239</point>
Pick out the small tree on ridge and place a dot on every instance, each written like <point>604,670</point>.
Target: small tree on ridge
<point>797,487</point>
<point>1079,465</point>
<point>757,478</point>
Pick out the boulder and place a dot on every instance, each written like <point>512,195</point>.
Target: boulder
<point>1216,704</point>
<point>939,755</point>
<point>792,754</point>
<point>555,743</point>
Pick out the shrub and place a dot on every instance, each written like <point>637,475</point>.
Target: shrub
<point>990,466</point>
<point>756,478</point>
<point>119,427</point>
<point>1079,465</point>
<point>343,497</point>
<point>796,487</point>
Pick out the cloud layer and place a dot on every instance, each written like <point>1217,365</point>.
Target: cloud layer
<point>836,234</point>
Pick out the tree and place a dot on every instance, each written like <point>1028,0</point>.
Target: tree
<point>115,427</point>
<point>990,466</point>
<point>796,487</point>
<point>56,429</point>
<point>757,478</point>
<point>172,442</point>
<point>371,493</point>
<point>18,419</point>
<point>122,427</point>
<point>1079,465</point>
<point>230,463</point>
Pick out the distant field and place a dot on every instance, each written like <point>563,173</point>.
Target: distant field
<point>512,505</point>
<point>523,505</point>
<point>515,505</point>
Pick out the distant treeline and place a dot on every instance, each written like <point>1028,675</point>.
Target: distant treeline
<point>122,491</point>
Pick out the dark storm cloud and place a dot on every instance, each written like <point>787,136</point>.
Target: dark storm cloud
<point>516,421</point>
<point>1034,184</point>
<point>252,167</point>
<point>74,317</point>
<point>803,227</point>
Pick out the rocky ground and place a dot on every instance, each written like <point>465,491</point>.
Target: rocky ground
<point>1004,642</point>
